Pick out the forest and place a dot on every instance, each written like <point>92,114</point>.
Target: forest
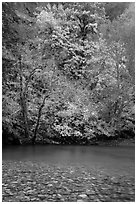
<point>68,72</point>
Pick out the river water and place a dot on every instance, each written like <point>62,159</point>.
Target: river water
<point>112,160</point>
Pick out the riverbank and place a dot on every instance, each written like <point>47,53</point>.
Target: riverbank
<point>38,182</point>
<point>118,140</point>
<point>129,142</point>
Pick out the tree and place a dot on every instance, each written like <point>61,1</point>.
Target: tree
<point>123,28</point>
<point>16,47</point>
<point>66,75</point>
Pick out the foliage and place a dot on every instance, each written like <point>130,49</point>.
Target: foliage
<point>115,9</point>
<point>123,28</point>
<point>63,77</point>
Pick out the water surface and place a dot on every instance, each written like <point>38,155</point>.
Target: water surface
<point>112,160</point>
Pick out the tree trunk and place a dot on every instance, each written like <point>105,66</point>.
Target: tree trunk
<point>38,120</point>
<point>23,102</point>
<point>25,116</point>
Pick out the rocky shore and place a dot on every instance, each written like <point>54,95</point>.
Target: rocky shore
<point>28,181</point>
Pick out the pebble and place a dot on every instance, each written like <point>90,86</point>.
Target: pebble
<point>59,195</point>
<point>41,196</point>
<point>50,186</point>
<point>30,192</point>
<point>14,182</point>
<point>96,200</point>
<point>27,188</point>
<point>27,198</point>
<point>80,200</point>
<point>55,181</point>
<point>4,184</point>
<point>89,192</point>
<point>83,196</point>
<point>33,199</point>
<point>131,193</point>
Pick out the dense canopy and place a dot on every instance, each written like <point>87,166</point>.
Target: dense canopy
<point>68,71</point>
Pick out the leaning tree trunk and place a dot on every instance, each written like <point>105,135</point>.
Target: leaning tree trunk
<point>38,120</point>
<point>25,115</point>
<point>23,102</point>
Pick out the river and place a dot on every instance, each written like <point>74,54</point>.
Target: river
<point>112,160</point>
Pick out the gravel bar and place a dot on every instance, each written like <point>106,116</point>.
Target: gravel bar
<point>26,181</point>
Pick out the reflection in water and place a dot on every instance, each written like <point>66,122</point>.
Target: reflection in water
<point>110,159</point>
